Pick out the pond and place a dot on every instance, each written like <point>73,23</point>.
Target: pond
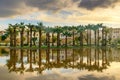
<point>60,64</point>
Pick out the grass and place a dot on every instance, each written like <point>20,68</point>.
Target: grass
<point>55,47</point>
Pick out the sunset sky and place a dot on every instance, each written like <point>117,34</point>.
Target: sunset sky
<point>60,12</point>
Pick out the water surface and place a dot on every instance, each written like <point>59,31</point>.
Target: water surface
<point>60,64</point>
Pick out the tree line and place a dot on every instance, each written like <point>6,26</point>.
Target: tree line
<point>75,32</point>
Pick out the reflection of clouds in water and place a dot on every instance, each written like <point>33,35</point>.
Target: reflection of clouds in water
<point>92,77</point>
<point>50,77</point>
<point>56,74</point>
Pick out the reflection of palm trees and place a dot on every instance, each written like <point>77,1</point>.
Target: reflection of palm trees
<point>22,68</point>
<point>68,62</point>
<point>40,68</point>
<point>13,61</point>
<point>9,62</point>
<point>30,66</point>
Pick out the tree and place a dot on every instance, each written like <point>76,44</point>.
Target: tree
<point>66,33</point>
<point>10,31</point>
<point>30,26</point>
<point>15,32</point>
<point>58,30</point>
<point>73,29</point>
<point>40,27</point>
<point>80,30</point>
<point>48,30</point>
<point>98,37</point>
<point>34,39</point>
<point>95,28</point>
<point>21,28</point>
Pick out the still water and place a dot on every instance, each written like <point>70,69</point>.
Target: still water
<point>60,64</point>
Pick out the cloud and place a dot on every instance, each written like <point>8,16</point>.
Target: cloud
<point>17,7</point>
<point>92,4</point>
<point>52,5</point>
<point>8,7</point>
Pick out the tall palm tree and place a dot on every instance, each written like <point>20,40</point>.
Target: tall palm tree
<point>15,33</point>
<point>40,27</point>
<point>103,36</point>
<point>22,28</point>
<point>30,26</point>
<point>98,37</point>
<point>53,37</point>
<point>66,33</point>
<point>58,30</point>
<point>28,36</point>
<point>10,30</point>
<point>73,31</point>
<point>80,30</point>
<point>87,34</point>
<point>95,28</point>
<point>48,30</point>
<point>34,35</point>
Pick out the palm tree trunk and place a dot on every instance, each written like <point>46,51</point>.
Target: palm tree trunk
<point>58,40</point>
<point>52,39</point>
<point>34,38</point>
<point>48,39</point>
<point>73,38</point>
<point>11,38</point>
<point>40,34</point>
<point>21,38</point>
<point>66,41</point>
<point>81,39</point>
<point>98,37</point>
<point>102,37</point>
<point>87,37</point>
<point>14,37</point>
<point>95,37</point>
<point>28,38</point>
<point>90,37</point>
<point>105,38</point>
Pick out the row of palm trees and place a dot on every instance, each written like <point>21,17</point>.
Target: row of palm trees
<point>79,33</point>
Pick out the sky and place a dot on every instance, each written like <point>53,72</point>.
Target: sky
<point>60,12</point>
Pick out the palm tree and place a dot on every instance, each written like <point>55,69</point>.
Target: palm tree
<point>98,37</point>
<point>22,28</point>
<point>15,32</point>
<point>30,26</point>
<point>34,35</point>
<point>28,36</point>
<point>66,33</point>
<point>40,28</point>
<point>103,36</point>
<point>10,31</point>
<point>80,30</point>
<point>58,30</point>
<point>53,37</point>
<point>87,27</point>
<point>48,30</point>
<point>73,29</point>
<point>95,28</point>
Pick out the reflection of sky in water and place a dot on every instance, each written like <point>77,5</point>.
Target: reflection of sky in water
<point>3,59</point>
<point>111,73</point>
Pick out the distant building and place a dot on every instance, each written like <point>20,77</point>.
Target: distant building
<point>115,33</point>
